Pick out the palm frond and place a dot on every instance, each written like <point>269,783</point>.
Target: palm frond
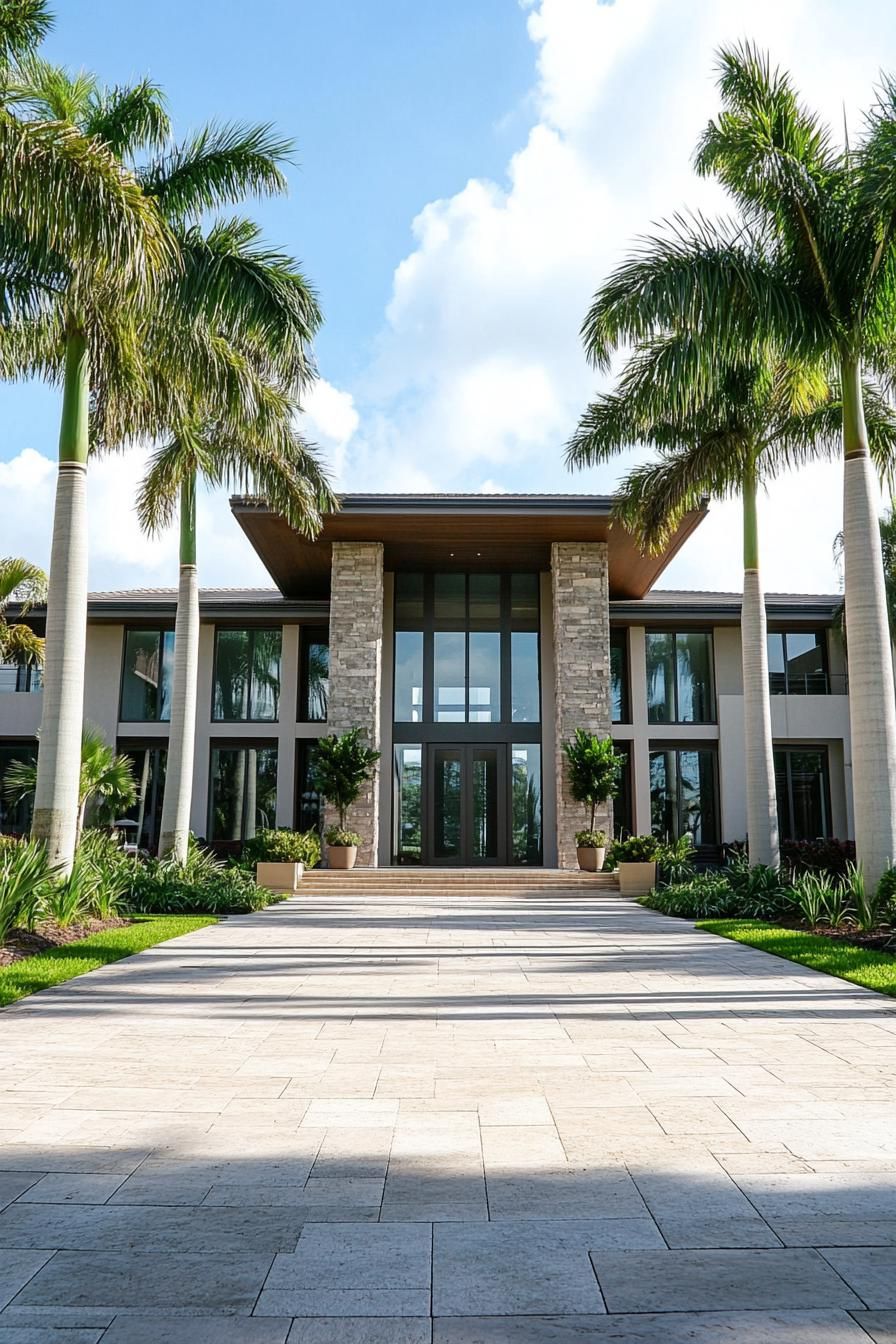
<point>23,25</point>
<point>21,582</point>
<point>652,498</point>
<point>128,119</point>
<point>219,166</point>
<point>19,644</point>
<point>49,92</point>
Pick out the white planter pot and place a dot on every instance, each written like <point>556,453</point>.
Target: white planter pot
<point>636,879</point>
<point>591,860</point>
<point>279,876</point>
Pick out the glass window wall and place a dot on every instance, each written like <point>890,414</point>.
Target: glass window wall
<point>683,794</point>
<point>796,663</point>
<point>247,675</point>
<point>679,677</point>
<point>243,793</point>
<point>407,783</point>
<point>315,680</point>
<point>525,803</point>
<point>802,783</point>
<point>147,675</point>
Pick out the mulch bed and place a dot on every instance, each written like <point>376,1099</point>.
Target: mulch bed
<point>21,944</point>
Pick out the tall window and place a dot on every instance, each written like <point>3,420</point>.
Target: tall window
<point>243,793</point>
<point>20,676</point>
<point>149,761</point>
<point>525,802</point>
<point>619,710</point>
<point>307,802</point>
<point>315,678</point>
<point>797,664</point>
<point>679,677</point>
<point>15,818</point>
<point>466,648</point>
<point>802,783</point>
<point>146,679</point>
<point>683,794</point>
<point>407,793</point>
<point>247,675</point>
<point>622,803</point>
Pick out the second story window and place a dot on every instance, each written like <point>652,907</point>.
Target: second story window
<point>247,675</point>
<point>146,679</point>
<point>796,663</point>
<point>20,676</point>
<point>619,710</point>
<point>314,694</point>
<point>679,677</point>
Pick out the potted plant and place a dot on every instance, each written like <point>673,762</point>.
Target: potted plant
<point>636,860</point>
<point>280,857</point>
<point>591,850</point>
<point>594,767</point>
<point>342,765</point>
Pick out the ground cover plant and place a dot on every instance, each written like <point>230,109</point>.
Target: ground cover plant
<point>860,965</point>
<point>61,963</point>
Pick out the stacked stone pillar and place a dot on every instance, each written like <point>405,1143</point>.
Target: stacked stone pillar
<point>356,658</point>
<point>581,671</point>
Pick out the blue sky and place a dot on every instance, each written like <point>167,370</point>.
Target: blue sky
<point>466,175</point>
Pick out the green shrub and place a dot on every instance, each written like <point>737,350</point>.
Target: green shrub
<point>24,879</point>
<point>636,849</point>
<point>282,846</point>
<point>764,892</point>
<point>866,904</point>
<point>114,871</point>
<point>201,885</point>
<point>340,768</point>
<point>335,835</point>
<point>593,768</point>
<point>591,839</point>
<point>676,861</point>
<point>886,895</point>
<point>705,896</point>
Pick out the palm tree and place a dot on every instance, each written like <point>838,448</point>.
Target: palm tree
<point>106,780</point>
<point>812,268</point>
<point>22,583</point>
<point>721,435</point>
<point>241,317</point>
<point>83,248</point>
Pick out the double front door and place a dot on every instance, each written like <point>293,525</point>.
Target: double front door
<point>467,801</point>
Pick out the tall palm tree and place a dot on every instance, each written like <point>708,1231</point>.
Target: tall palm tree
<point>814,268</point>
<point>722,435</point>
<point>22,583</point>
<point>244,311</point>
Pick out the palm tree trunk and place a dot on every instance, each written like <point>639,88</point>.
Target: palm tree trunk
<point>762,804</point>
<point>176,800</point>
<point>59,757</point>
<point>872,704</point>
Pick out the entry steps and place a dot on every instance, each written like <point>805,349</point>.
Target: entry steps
<point>440,881</point>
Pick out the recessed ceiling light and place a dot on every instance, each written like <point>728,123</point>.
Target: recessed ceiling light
<point>450,555</point>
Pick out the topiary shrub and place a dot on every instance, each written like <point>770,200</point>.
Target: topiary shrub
<point>282,846</point>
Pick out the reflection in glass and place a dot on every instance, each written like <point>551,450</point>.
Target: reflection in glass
<point>694,667</point>
<point>408,803</point>
<point>15,817</point>
<point>803,789</point>
<point>146,684</point>
<point>683,794</point>
<point>485,677</point>
<point>308,808</point>
<point>449,648</point>
<point>243,792</point>
<point>618,676</point>
<point>796,663</point>
<point>484,785</point>
<point>525,802</point>
<point>450,597</point>
<point>524,683</point>
<point>149,773</point>
<point>447,803</point>
<point>408,597</point>
<point>317,680</point>
<point>660,678</point>
<point>231,689</point>
<point>408,676</point>
<point>622,803</point>
<point>524,597</point>
<point>485,597</point>
<point>264,699</point>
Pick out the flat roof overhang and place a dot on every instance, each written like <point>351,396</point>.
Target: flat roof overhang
<point>455,531</point>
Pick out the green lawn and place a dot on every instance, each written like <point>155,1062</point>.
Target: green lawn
<point>874,970</point>
<point>62,963</point>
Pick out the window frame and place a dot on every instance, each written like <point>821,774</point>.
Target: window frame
<point>252,631</point>
<point>161,631</point>
<point>821,635</point>
<point>245,745</point>
<point>678,721</point>
<point>308,635</point>
<point>659,746</point>
<point>621,638</point>
<point>788,749</point>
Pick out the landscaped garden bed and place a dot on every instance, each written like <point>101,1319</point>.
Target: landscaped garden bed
<point>22,943</point>
<point>816,949</point>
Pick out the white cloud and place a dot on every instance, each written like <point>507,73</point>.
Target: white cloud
<point>479,365</point>
<point>330,419</point>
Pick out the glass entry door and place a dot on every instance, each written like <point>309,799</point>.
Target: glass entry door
<point>467,805</point>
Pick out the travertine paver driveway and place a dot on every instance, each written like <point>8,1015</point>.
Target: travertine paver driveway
<point>468,1119</point>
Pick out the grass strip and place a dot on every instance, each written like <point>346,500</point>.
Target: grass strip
<point>71,959</point>
<point>872,970</point>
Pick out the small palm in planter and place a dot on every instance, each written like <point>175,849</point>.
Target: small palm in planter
<point>594,767</point>
<point>341,767</point>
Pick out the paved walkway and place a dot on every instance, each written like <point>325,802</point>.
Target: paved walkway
<point>468,1121</point>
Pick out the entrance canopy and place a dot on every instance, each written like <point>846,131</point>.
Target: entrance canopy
<point>447,531</point>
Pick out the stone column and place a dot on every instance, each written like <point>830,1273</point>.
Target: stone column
<point>356,656</point>
<point>581,671</point>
